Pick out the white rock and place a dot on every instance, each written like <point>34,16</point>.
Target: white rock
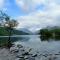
<point>14,49</point>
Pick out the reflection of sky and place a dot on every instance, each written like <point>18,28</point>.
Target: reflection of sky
<point>42,46</point>
<point>33,13</point>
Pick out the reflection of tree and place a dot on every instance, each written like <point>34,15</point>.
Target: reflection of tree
<point>44,38</point>
<point>3,40</point>
<point>53,33</point>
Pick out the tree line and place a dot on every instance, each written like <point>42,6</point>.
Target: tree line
<point>50,33</point>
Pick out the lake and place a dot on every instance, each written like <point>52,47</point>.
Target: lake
<point>34,41</point>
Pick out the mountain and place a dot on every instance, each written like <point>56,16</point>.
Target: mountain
<point>25,30</point>
<point>5,32</point>
<point>18,32</point>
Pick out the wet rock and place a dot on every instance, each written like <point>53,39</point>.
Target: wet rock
<point>14,49</point>
<point>22,49</point>
<point>34,55</point>
<point>19,46</point>
<point>25,53</point>
<point>22,59</point>
<point>45,55</point>
<point>30,49</point>
<point>31,58</point>
<point>25,57</point>
<point>20,56</point>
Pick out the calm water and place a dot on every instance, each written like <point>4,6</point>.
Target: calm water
<point>34,41</point>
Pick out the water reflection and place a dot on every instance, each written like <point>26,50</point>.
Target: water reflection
<point>14,39</point>
<point>30,38</point>
<point>45,38</point>
<point>36,41</point>
<point>4,40</point>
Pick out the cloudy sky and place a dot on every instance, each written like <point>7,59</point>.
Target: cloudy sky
<point>33,14</point>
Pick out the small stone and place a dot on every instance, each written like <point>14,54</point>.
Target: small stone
<point>20,56</point>
<point>45,55</point>
<point>30,49</point>
<point>19,46</point>
<point>34,55</point>
<point>26,53</point>
<point>26,57</point>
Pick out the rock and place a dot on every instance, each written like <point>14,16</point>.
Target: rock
<point>17,59</point>
<point>57,54</point>
<point>20,56</point>
<point>20,59</point>
<point>25,53</point>
<point>34,55</point>
<point>14,49</point>
<point>19,46</point>
<point>31,58</point>
<point>21,49</point>
<point>30,49</point>
<point>26,57</point>
<point>45,55</point>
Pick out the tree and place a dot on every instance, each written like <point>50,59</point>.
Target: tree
<point>8,23</point>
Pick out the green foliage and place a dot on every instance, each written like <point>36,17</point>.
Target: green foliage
<point>4,32</point>
<point>45,32</point>
<point>50,33</point>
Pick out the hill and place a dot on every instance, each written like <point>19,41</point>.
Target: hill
<point>4,32</point>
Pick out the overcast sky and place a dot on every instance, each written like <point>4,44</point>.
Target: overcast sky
<point>33,14</point>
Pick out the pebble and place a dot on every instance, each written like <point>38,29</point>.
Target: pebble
<point>34,55</point>
<point>26,57</point>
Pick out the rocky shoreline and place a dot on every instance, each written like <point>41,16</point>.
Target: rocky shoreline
<point>19,52</point>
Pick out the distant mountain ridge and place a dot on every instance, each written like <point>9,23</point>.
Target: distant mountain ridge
<point>4,32</point>
<point>18,32</point>
<point>25,30</point>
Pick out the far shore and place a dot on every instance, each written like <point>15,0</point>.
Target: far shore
<point>14,36</point>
